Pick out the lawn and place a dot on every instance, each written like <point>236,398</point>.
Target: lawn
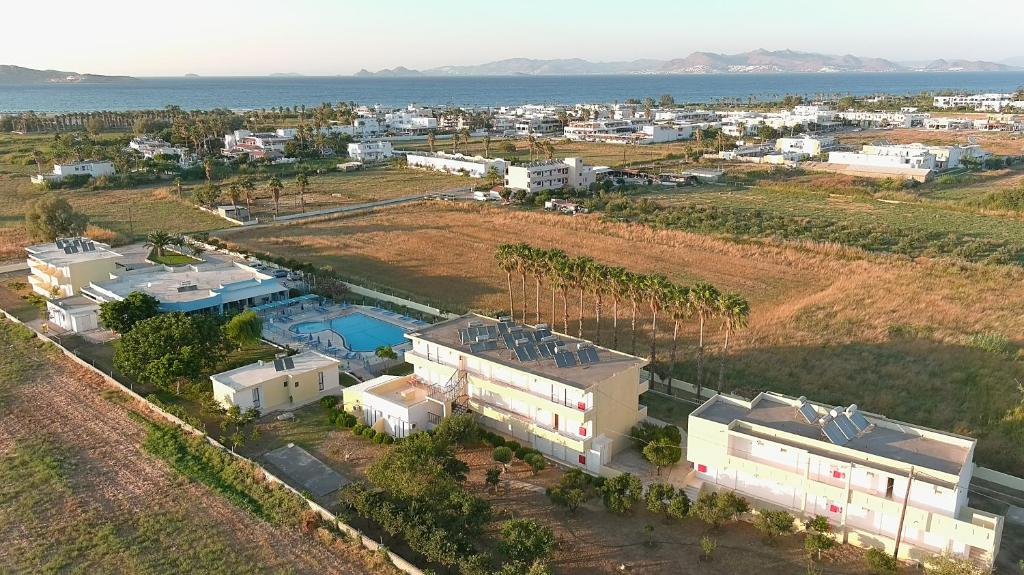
<point>169,258</point>
<point>898,337</point>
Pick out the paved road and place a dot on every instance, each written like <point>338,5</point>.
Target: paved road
<point>457,192</point>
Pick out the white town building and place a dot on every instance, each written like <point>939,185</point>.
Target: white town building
<point>873,478</point>
<point>472,166</point>
<point>570,173</point>
<point>284,383</point>
<point>88,168</point>
<point>61,268</point>
<point>370,151</point>
<point>805,145</point>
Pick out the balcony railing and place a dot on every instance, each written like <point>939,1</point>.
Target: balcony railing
<point>527,419</point>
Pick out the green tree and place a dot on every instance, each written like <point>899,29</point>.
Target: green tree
<point>502,455</point>
<point>302,182</point>
<point>707,547</point>
<point>574,488</point>
<point>50,217</point>
<point>245,329</point>
<point>121,315</point>
<point>493,477</point>
<point>771,524</point>
<point>704,302</point>
<point>525,541</point>
<point>275,186</point>
<point>536,462</point>
<point>948,565</point>
<point>658,497</point>
<point>678,506</point>
<point>620,493</point>
<point>159,241</point>
<point>662,453</point>
<point>734,311</point>
<point>493,179</point>
<point>170,349</point>
<point>880,563</point>
<point>385,352</point>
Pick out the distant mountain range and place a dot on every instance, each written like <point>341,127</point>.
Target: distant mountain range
<point>762,61</point>
<point>10,75</point>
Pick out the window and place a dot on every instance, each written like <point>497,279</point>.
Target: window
<point>285,383</point>
<point>256,397</point>
<point>320,378</point>
<point>889,483</point>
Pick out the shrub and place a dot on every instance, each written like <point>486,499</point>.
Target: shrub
<point>679,506</point>
<point>773,523</point>
<point>880,563</point>
<point>536,462</point>
<point>707,547</point>
<point>525,541</point>
<point>492,478</point>
<point>368,432</point>
<point>620,493</point>
<point>497,440</point>
<point>513,445</point>
<point>461,429</point>
<point>715,509</point>
<point>329,401</point>
<point>358,428</point>
<point>388,440</point>
<point>502,455</point>
<point>574,488</point>
<point>658,497</point>
<point>948,565</point>
<point>379,438</point>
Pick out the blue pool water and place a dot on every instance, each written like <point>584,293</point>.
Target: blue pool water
<point>361,332</point>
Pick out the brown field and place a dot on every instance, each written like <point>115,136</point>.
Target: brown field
<point>897,337</point>
<point>81,495</point>
<point>999,143</point>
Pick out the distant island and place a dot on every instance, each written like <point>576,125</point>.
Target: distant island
<point>18,75</point>
<point>285,75</point>
<point>756,61</point>
<point>191,75</point>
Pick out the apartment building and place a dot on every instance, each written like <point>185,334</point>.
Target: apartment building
<point>978,102</point>
<point>409,122</point>
<point>283,383</point>
<point>595,130</point>
<point>61,268</point>
<point>875,479</point>
<point>569,399</point>
<point>538,126</point>
<point>911,162</point>
<point>370,151</point>
<point>946,157</point>
<point>571,173</point>
<point>805,145</point>
<point>89,168</point>
<point>902,119</point>
<point>472,166</point>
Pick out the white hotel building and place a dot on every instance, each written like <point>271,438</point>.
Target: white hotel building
<point>370,151</point>
<point>867,474</point>
<point>571,173</point>
<point>472,166</point>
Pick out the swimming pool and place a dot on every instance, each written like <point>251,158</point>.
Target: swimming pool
<point>360,331</point>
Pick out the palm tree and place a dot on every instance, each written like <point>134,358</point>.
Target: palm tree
<point>520,257</point>
<point>275,190</point>
<point>597,282</point>
<point>487,146</point>
<point>158,241</point>
<point>580,270</point>
<point>177,185</point>
<point>248,191</point>
<point>234,194</point>
<point>734,311</point>
<point>464,135</point>
<point>656,287</point>
<point>553,259</point>
<point>634,292</point>
<point>562,282</point>
<point>302,181</point>
<point>430,140</point>
<point>618,288</point>
<point>549,150</point>
<point>506,262</point>
<point>704,302</point>
<point>531,143</point>
<point>679,306</point>
<point>538,264</point>
<point>208,169</point>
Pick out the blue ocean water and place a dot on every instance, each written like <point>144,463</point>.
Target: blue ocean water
<point>265,92</point>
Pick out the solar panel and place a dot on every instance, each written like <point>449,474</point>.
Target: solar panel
<point>858,420</point>
<point>503,328</point>
<point>510,342</point>
<point>278,365</point>
<point>464,336</point>
<point>542,333</point>
<point>531,351</point>
<point>834,434</point>
<point>565,359</point>
<point>521,353</point>
<point>89,246</point>
<point>477,347</point>
<point>560,360</point>
<point>289,363</point>
<point>490,344</point>
<point>545,351</point>
<point>807,410</point>
<point>846,426</point>
<point>588,355</point>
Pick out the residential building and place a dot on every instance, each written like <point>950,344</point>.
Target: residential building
<point>593,130</point>
<point>370,151</point>
<point>396,405</point>
<point>884,119</point>
<point>876,480</point>
<point>62,268</point>
<point>75,314</point>
<point>912,162</point>
<point>88,168</point>
<point>949,124</point>
<point>284,383</point>
<point>153,147</point>
<point>472,166</point>
<point>367,127</point>
<point>209,287</point>
<point>538,126</point>
<point>569,399</point>
<point>978,102</point>
<point>805,145</point>
<point>409,122</point>
<point>946,157</point>
<point>572,173</point>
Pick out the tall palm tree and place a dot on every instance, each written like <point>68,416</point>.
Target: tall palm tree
<point>531,143</point>
<point>248,191</point>
<point>158,241</point>
<point>520,257</point>
<point>431,138</point>
<point>552,263</point>
<point>597,281</point>
<point>208,169</point>
<point>678,303</point>
<point>536,264</point>
<point>617,278</point>
<point>177,185</point>
<point>275,190</point>
<point>656,287</point>
<point>734,311</point>
<point>579,272</point>
<point>234,194</point>
<point>563,281</point>
<point>302,181</point>
<point>487,146</point>
<point>634,292</point>
<point>704,302</point>
<point>503,255</point>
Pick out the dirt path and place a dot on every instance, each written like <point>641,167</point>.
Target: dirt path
<point>65,406</point>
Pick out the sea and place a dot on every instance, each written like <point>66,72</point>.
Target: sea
<point>246,93</point>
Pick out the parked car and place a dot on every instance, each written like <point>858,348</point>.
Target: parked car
<point>280,273</point>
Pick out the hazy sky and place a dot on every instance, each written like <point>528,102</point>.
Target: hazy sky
<point>327,37</point>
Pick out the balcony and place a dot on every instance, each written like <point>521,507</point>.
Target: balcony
<point>508,388</point>
<point>534,427</point>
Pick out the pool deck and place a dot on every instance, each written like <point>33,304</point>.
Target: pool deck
<point>278,328</point>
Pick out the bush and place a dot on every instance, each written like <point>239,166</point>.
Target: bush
<point>880,563</point>
<point>949,565</point>
<point>679,506</point>
<point>658,497</point>
<point>358,429</point>
<point>574,488</point>
<point>379,438</point>
<point>369,433</point>
<point>345,419</point>
<point>536,462</point>
<point>513,445</point>
<point>329,402</point>
<point>388,440</point>
<point>620,493</point>
<point>715,509</point>
<point>461,429</point>
<point>496,440</point>
<point>525,541</point>
<point>502,455</point>
<point>773,523</point>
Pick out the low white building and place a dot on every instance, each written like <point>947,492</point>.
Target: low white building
<point>396,405</point>
<point>153,147</point>
<point>409,122</point>
<point>992,102</point>
<point>90,168</point>
<point>571,173</point>
<point>284,383</point>
<point>876,480</point>
<point>805,145</point>
<point>370,151</point>
<point>472,166</point>
<point>76,314</point>
<point>901,119</point>
<point>538,126</point>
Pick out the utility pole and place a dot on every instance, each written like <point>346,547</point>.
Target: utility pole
<point>903,514</point>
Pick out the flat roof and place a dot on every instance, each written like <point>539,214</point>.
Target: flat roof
<point>165,283</point>
<point>610,362</point>
<point>51,254</point>
<point>255,373</point>
<point>399,390</point>
<point>898,441</point>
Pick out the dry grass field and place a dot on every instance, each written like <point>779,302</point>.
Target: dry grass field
<point>908,339</point>
<point>80,495</point>
<point>999,143</point>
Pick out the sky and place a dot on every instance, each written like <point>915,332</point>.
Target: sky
<point>331,37</point>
